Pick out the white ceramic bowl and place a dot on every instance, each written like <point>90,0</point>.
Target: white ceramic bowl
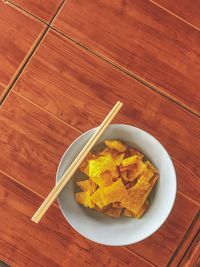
<point>123,231</point>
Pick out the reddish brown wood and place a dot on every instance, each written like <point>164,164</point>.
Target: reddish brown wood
<point>31,143</point>
<point>142,38</point>
<point>18,33</point>
<point>193,254</point>
<point>80,89</point>
<point>42,9</point>
<point>52,242</point>
<point>197,264</point>
<point>180,253</point>
<point>187,10</point>
<point>2,89</point>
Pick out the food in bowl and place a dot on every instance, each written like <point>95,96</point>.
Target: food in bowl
<point>119,181</point>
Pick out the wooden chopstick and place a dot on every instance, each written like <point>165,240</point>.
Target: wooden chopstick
<point>76,163</point>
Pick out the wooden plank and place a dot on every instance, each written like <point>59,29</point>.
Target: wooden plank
<point>2,90</point>
<point>80,89</point>
<point>52,242</point>
<point>18,34</point>
<point>142,38</point>
<point>31,143</point>
<point>193,254</point>
<point>43,9</point>
<point>197,264</point>
<point>187,10</point>
<point>186,252</point>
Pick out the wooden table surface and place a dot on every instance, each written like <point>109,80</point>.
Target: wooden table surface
<point>63,65</point>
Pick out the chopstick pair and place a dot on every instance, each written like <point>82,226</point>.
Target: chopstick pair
<point>76,163</point>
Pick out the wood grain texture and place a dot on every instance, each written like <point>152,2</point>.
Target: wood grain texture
<point>52,242</point>
<point>17,35</point>
<point>31,143</point>
<point>141,37</point>
<point>192,255</point>
<point>187,10</point>
<point>2,89</point>
<point>43,9</point>
<point>79,88</point>
<point>197,264</point>
<point>189,240</point>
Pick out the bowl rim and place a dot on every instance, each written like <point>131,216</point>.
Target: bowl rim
<point>172,200</point>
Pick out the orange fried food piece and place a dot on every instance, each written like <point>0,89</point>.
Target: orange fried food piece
<point>141,211</point>
<point>153,180</point>
<point>133,152</point>
<point>114,192</point>
<point>114,173</point>
<point>148,173</point>
<point>116,205</point>
<point>110,211</point>
<point>136,195</point>
<point>84,199</point>
<point>106,195</point>
<point>87,185</point>
<point>100,165</point>
<point>129,161</point>
<point>97,198</point>
<point>106,151</point>
<point>128,213</point>
<point>118,158</point>
<point>133,170</point>
<point>150,166</point>
<point>84,164</point>
<point>116,144</point>
<point>103,180</point>
<point>113,212</point>
<point>123,174</point>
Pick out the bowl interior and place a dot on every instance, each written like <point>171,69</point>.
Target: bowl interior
<point>123,231</point>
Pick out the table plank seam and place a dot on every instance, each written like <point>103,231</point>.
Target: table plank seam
<point>152,1</point>
<point>196,218</point>
<point>48,112</point>
<point>24,11</point>
<point>28,56</point>
<point>175,15</point>
<point>2,89</point>
<point>22,66</point>
<point>132,75</point>
<point>139,256</point>
<point>195,256</point>
<point>23,185</point>
<point>192,200</point>
<point>56,206</point>
<point>3,85</point>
